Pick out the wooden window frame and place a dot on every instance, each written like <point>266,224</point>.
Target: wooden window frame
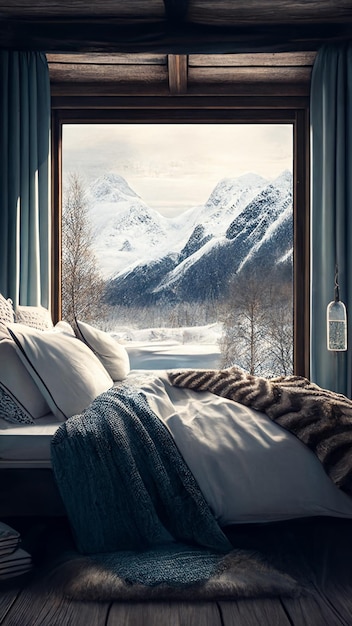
<point>201,109</point>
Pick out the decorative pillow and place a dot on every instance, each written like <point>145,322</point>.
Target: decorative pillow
<point>17,383</point>
<point>6,310</point>
<point>11,411</point>
<point>112,354</point>
<point>65,370</point>
<point>63,327</point>
<point>4,333</point>
<point>34,316</point>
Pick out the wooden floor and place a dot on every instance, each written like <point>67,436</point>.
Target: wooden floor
<point>327,544</point>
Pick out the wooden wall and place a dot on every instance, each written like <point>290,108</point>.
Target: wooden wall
<point>277,74</point>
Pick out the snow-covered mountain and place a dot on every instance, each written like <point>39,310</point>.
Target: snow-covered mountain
<point>245,222</point>
<point>125,229</point>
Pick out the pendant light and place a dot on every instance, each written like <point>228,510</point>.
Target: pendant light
<point>336,320</point>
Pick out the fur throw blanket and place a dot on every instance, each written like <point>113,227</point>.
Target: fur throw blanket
<point>320,418</point>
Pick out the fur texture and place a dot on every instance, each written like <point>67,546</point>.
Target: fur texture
<point>318,417</point>
<point>241,574</point>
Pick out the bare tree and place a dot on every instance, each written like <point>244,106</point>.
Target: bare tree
<point>280,331</point>
<point>244,319</point>
<point>257,323</point>
<point>82,284</point>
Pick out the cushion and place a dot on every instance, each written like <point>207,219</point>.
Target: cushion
<point>6,310</point>
<point>18,384</point>
<point>112,354</point>
<point>11,411</point>
<point>63,327</point>
<point>65,370</point>
<point>4,333</point>
<point>35,316</point>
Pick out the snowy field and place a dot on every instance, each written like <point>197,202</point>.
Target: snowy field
<point>168,348</point>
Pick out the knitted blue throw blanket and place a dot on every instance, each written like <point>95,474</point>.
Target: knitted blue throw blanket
<point>129,495</point>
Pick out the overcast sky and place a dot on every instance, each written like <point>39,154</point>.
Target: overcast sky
<point>176,166</point>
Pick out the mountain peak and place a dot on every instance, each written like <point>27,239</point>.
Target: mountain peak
<point>228,188</point>
<point>111,187</point>
<point>237,216</point>
<point>283,180</point>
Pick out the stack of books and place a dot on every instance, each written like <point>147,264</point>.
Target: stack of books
<point>14,561</point>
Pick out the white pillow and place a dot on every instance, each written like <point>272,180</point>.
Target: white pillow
<point>65,370</point>
<point>18,383</point>
<point>6,310</point>
<point>35,316</point>
<point>63,327</point>
<point>112,354</point>
<point>4,333</point>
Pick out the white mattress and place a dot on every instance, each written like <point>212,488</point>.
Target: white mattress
<point>27,445</point>
<point>248,468</point>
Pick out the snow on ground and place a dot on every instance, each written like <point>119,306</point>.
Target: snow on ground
<point>169,348</point>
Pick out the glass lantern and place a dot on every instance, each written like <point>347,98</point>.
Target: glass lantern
<point>336,326</point>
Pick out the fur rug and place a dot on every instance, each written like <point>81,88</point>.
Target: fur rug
<point>240,574</point>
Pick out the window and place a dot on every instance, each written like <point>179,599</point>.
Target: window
<point>173,316</point>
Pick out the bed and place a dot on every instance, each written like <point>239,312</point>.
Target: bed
<point>248,468</point>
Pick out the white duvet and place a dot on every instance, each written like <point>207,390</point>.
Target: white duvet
<point>248,468</point>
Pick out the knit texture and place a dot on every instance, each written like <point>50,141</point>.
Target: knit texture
<point>175,564</point>
<point>125,485</point>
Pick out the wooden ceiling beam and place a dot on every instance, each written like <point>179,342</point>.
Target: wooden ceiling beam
<point>178,70</point>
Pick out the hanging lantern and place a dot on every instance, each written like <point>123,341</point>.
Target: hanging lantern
<point>336,319</point>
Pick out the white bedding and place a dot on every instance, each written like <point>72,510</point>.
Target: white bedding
<point>27,445</point>
<point>248,468</point>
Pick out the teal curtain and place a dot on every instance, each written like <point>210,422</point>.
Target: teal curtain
<point>331,205</point>
<point>24,177</point>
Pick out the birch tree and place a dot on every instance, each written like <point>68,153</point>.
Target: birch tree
<point>257,322</point>
<point>82,284</point>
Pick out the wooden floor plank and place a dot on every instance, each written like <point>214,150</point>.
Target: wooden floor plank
<point>258,612</point>
<point>8,595</point>
<point>37,607</point>
<point>313,611</point>
<point>325,562</point>
<point>164,614</point>
<point>341,599</point>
